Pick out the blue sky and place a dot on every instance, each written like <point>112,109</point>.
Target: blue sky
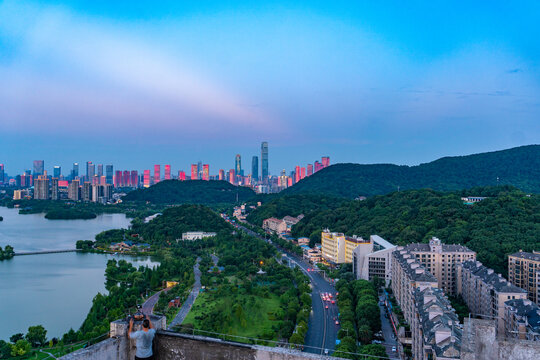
<point>138,83</point>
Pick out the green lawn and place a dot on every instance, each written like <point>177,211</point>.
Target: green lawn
<point>255,319</point>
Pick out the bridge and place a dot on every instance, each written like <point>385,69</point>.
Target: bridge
<point>46,252</point>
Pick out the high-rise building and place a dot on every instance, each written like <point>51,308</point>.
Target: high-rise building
<point>221,174</point>
<point>90,171</point>
<point>524,272</point>
<point>337,248</point>
<point>146,178</point>
<point>296,174</point>
<point>75,171</point>
<point>100,170</point>
<point>194,172</point>
<point>302,173</point>
<point>264,162</point>
<point>254,169</point>
<point>54,188</point>
<point>73,190</point>
<point>232,177</point>
<point>134,181</point>
<point>109,174</point>
<point>127,178</point>
<point>39,168</point>
<point>57,171</point>
<point>41,188</point>
<point>238,165</point>
<point>86,191</point>
<point>206,172</point>
<point>157,173</point>
<point>181,175</point>
<point>199,170</point>
<point>309,170</point>
<point>325,161</point>
<point>118,179</point>
<point>167,172</point>
<point>2,174</point>
<point>318,166</point>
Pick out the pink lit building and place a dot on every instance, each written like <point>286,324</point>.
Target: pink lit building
<point>157,173</point>
<point>206,172</point>
<point>146,178</point>
<point>167,172</point>
<point>181,175</point>
<point>194,175</point>
<point>309,170</point>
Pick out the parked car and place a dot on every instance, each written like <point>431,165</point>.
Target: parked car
<point>393,349</point>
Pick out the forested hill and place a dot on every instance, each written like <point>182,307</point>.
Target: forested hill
<point>519,167</point>
<point>293,205</point>
<point>191,192</point>
<point>507,221</point>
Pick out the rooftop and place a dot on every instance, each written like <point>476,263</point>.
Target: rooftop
<point>489,277</point>
<point>527,255</point>
<point>414,269</point>
<point>526,309</point>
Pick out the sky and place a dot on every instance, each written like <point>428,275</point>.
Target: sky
<point>173,82</point>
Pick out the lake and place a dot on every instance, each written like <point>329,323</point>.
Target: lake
<point>54,290</point>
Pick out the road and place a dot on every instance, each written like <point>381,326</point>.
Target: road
<point>322,329</point>
<point>148,306</point>
<point>186,306</point>
<point>388,332</point>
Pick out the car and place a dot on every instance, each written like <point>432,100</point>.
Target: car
<point>337,322</point>
<point>325,351</point>
<point>393,349</point>
<point>333,302</point>
<point>326,307</point>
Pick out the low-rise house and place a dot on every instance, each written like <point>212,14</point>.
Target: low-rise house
<point>522,319</point>
<point>274,225</point>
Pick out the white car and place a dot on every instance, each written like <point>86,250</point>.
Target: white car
<point>393,349</point>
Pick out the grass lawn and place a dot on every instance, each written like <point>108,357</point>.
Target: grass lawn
<point>257,318</point>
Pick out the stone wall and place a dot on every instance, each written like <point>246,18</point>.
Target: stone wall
<point>109,349</point>
<point>481,342</point>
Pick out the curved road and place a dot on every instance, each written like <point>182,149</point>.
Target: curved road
<point>322,328</point>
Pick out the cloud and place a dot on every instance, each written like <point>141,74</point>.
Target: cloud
<point>66,70</point>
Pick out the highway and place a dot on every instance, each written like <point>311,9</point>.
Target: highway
<point>322,328</point>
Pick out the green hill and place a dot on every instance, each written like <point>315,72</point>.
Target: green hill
<point>191,192</point>
<point>293,205</point>
<point>519,167</point>
<point>505,222</point>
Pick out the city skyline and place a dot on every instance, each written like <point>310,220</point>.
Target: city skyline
<point>355,81</point>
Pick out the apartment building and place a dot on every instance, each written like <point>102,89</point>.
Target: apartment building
<point>336,248</point>
<point>275,225</point>
<point>441,261</point>
<point>524,272</point>
<point>436,331</point>
<point>522,319</point>
<point>408,274</point>
<point>485,292</point>
<point>374,259</point>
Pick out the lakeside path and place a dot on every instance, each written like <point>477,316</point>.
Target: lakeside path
<point>184,310</point>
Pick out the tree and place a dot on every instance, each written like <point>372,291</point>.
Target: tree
<point>16,337</point>
<point>372,349</point>
<point>364,334</point>
<point>5,350</point>
<point>20,348</point>
<point>37,335</point>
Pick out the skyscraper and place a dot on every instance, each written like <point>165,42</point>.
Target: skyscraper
<point>254,169</point>
<point>302,173</point>
<point>39,168</point>
<point>127,178</point>
<point>181,175</point>
<point>167,172</point>
<point>109,174</point>
<point>199,170</point>
<point>194,172</point>
<point>75,171</point>
<point>57,171</point>
<point>296,174</point>
<point>206,172</point>
<point>100,170</point>
<point>146,179</point>
<point>41,188</point>
<point>54,188</point>
<point>157,173</point>
<point>134,178</point>
<point>2,173</point>
<point>238,165</point>
<point>309,170</point>
<point>232,177</point>
<point>325,161</point>
<point>90,171</point>
<point>221,174</point>
<point>264,162</point>
<point>73,190</point>
<point>118,179</point>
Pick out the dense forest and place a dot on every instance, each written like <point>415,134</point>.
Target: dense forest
<point>167,227</point>
<point>293,205</point>
<point>507,221</point>
<point>519,167</point>
<point>192,192</point>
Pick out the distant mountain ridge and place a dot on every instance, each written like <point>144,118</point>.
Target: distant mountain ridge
<point>519,167</point>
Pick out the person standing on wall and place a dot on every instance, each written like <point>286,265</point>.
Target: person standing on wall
<point>144,339</point>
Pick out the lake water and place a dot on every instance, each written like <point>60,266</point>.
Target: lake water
<point>54,290</point>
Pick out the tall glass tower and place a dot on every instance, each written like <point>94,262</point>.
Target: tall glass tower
<point>255,169</point>
<point>264,161</point>
<point>238,165</point>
